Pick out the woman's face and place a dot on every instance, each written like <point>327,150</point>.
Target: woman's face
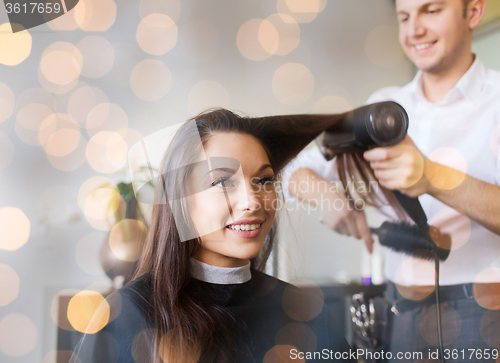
<point>237,204</point>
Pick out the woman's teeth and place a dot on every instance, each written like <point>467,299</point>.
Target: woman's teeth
<point>244,227</point>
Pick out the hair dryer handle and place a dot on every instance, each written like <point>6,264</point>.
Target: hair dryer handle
<point>413,207</point>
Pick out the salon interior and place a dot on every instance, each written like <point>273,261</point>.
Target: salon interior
<point>79,91</point>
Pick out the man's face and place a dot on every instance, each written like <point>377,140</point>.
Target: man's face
<point>433,33</point>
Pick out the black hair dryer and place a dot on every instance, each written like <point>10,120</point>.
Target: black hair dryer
<point>378,124</point>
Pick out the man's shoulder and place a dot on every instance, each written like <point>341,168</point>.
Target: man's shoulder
<point>493,78</point>
<point>390,93</point>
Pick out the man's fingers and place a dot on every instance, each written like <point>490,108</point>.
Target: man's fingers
<point>364,230</point>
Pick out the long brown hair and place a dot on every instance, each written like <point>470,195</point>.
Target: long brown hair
<point>197,326</point>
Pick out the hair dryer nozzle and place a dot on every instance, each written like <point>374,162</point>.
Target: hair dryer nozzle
<point>378,124</point>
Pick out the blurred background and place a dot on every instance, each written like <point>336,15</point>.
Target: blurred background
<point>78,92</point>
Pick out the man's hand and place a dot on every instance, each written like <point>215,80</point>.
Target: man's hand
<point>348,221</point>
<point>400,167</point>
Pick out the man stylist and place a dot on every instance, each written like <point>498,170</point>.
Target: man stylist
<point>451,160</point>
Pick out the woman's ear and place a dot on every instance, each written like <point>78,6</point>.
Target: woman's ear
<point>475,12</point>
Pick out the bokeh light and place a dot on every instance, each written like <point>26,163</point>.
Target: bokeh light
<point>106,117</point>
<point>170,7</point>
<point>141,350</point>
<point>32,107</point>
<point>157,34</point>
<point>150,80</point>
<point>486,293</point>
<point>59,134</point>
<point>107,152</point>
<point>87,253</point>
<point>495,141</point>
<point>268,36</point>
<point>66,22</point>
<point>279,34</point>
<point>489,328</point>
<point>91,185</point>
<point>450,321</point>
<point>207,94</point>
<point>35,95</point>
<point>14,228</point>
<point>83,100</point>
<point>61,63</point>
<point>454,223</point>
<point>170,351</point>
<point>28,121</point>
<point>60,356</point>
<point>16,47</point>
<point>408,271</point>
<point>126,239</point>
<point>88,311</point>
<point>73,160</point>
<point>331,104</point>
<point>6,150</point>
<point>18,335</point>
<point>382,47</point>
<point>199,41</point>
<point>7,102</point>
<point>281,354</point>
<point>299,335</point>
<point>95,15</point>
<point>248,42</point>
<point>58,308</point>
<point>98,56</point>
<point>57,206</point>
<point>303,11</point>
<point>452,174</point>
<point>9,284</point>
<point>103,208</point>
<point>301,304</point>
<point>293,84</point>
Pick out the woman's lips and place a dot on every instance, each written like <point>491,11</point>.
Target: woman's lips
<point>242,232</point>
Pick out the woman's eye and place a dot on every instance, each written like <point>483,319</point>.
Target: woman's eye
<point>267,180</point>
<point>434,11</point>
<point>224,183</point>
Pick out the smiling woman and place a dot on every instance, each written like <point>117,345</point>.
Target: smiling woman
<point>199,294</point>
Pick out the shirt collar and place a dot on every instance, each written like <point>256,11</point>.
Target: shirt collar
<point>469,85</point>
<point>219,275</point>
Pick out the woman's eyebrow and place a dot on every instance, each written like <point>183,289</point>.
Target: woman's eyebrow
<point>229,170</point>
<point>264,167</point>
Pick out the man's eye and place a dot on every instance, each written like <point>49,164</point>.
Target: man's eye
<point>434,11</point>
<point>224,183</point>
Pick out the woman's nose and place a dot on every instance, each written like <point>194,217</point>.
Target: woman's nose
<point>248,198</point>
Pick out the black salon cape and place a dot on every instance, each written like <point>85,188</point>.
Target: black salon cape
<point>257,306</point>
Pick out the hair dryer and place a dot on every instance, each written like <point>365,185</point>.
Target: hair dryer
<point>378,124</point>
<point>385,124</point>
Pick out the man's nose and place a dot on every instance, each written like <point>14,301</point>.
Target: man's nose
<point>416,27</point>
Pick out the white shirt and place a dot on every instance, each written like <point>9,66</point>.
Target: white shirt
<point>463,132</point>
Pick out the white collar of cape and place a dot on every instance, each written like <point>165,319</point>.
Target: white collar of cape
<point>219,275</point>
